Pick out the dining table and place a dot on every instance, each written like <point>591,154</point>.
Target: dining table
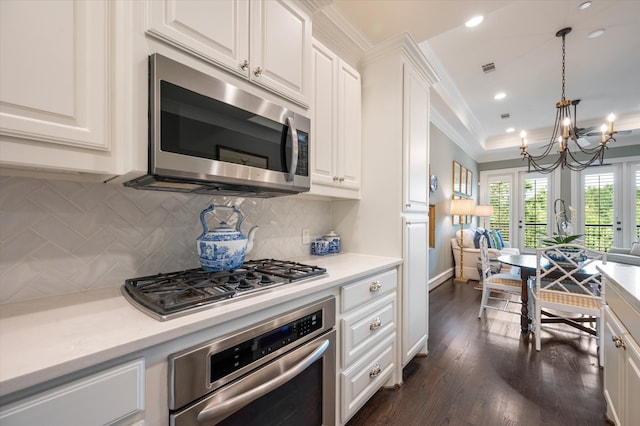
<point>528,264</point>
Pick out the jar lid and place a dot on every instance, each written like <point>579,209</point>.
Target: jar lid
<point>331,234</point>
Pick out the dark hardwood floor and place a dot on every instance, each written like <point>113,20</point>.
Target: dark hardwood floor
<point>485,372</point>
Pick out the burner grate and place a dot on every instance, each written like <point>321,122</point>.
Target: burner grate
<point>168,295</point>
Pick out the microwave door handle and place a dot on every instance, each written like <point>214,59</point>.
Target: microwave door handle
<point>294,149</point>
<point>218,411</point>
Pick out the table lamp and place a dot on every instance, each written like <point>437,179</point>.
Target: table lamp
<point>484,212</point>
<point>462,207</point>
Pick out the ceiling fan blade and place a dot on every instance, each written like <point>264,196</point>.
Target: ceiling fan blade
<point>622,132</point>
<point>585,131</point>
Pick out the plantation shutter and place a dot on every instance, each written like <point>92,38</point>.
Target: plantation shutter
<point>536,211</point>
<point>500,200</point>
<point>599,214</point>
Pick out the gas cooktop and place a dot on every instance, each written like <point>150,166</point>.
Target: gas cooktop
<point>169,295</point>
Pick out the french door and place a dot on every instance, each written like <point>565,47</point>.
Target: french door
<point>609,202</point>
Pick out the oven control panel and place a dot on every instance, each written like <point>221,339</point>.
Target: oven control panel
<point>239,356</point>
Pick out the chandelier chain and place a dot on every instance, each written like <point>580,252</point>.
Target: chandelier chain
<point>563,68</point>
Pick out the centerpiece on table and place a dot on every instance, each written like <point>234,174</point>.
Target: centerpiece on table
<point>565,235</point>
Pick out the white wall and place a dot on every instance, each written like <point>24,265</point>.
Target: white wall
<point>60,237</point>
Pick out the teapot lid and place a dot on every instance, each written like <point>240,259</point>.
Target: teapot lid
<point>223,227</point>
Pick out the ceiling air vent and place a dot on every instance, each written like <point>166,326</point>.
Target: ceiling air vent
<point>488,67</point>
<point>505,116</point>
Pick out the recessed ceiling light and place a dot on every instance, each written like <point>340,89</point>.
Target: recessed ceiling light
<point>596,33</point>
<point>476,20</point>
<point>499,96</point>
<point>584,5</point>
<point>511,130</point>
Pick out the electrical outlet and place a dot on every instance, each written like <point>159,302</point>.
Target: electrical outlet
<point>306,239</point>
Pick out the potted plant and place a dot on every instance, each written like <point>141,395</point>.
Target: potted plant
<point>560,239</point>
<point>564,255</point>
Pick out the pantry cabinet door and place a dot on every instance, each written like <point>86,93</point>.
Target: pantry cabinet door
<point>415,141</point>
<point>217,31</point>
<point>54,80</point>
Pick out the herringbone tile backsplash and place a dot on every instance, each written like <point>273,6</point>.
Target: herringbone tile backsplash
<point>60,237</point>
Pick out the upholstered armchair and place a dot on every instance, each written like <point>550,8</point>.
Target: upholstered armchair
<point>471,254</point>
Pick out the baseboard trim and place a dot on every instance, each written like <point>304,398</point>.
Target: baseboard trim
<point>441,278</point>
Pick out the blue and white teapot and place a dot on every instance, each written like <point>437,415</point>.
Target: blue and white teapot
<point>223,248</point>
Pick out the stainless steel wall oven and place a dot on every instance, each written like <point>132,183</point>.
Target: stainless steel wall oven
<point>279,372</point>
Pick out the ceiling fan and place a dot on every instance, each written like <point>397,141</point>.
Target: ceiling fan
<point>582,133</point>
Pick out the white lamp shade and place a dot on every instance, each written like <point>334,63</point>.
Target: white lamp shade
<point>463,207</point>
<point>484,211</point>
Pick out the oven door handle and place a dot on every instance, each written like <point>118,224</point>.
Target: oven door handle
<point>217,410</point>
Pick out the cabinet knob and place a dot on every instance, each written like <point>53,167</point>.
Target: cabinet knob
<point>618,342</point>
<point>407,205</point>
<point>335,178</point>
<point>244,65</point>
<point>341,179</point>
<point>257,72</point>
<point>375,286</point>
<point>375,370</point>
<point>375,324</point>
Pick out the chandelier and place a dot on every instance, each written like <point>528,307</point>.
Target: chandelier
<point>566,135</point>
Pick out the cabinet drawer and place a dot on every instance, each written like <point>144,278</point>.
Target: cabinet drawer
<point>360,381</point>
<point>368,289</point>
<point>367,327</point>
<point>99,399</point>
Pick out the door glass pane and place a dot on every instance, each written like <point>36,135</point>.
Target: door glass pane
<point>500,200</point>
<point>598,210</point>
<point>536,211</point>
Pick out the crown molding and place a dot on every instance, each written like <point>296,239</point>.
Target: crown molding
<point>332,29</point>
<point>406,46</point>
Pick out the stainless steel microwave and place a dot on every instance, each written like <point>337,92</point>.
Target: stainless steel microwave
<point>209,136</point>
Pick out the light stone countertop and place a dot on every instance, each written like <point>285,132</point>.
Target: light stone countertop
<point>627,278</point>
<point>48,338</point>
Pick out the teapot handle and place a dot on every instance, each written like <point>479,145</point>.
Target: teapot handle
<point>211,208</point>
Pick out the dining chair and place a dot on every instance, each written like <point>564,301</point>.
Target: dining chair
<point>568,285</point>
<point>505,283</point>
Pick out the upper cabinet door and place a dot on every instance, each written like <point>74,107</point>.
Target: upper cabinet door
<point>217,31</point>
<point>416,141</point>
<point>349,152</point>
<point>54,78</point>
<point>265,41</point>
<point>281,48</point>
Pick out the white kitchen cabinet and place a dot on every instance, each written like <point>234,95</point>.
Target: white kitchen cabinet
<point>58,87</point>
<point>336,125</point>
<point>368,343</point>
<point>265,41</point>
<point>392,215</point>
<point>415,141</point>
<point>621,359</point>
<point>114,394</point>
<point>415,289</point>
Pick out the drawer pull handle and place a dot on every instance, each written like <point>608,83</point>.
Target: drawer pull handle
<point>375,370</point>
<point>618,342</point>
<point>375,286</point>
<point>375,324</point>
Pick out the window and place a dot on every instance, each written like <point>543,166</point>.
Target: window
<point>536,211</point>
<point>500,200</point>
<point>598,209</point>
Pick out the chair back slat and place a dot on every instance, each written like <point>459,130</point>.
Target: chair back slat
<point>561,269</point>
<point>485,265</point>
